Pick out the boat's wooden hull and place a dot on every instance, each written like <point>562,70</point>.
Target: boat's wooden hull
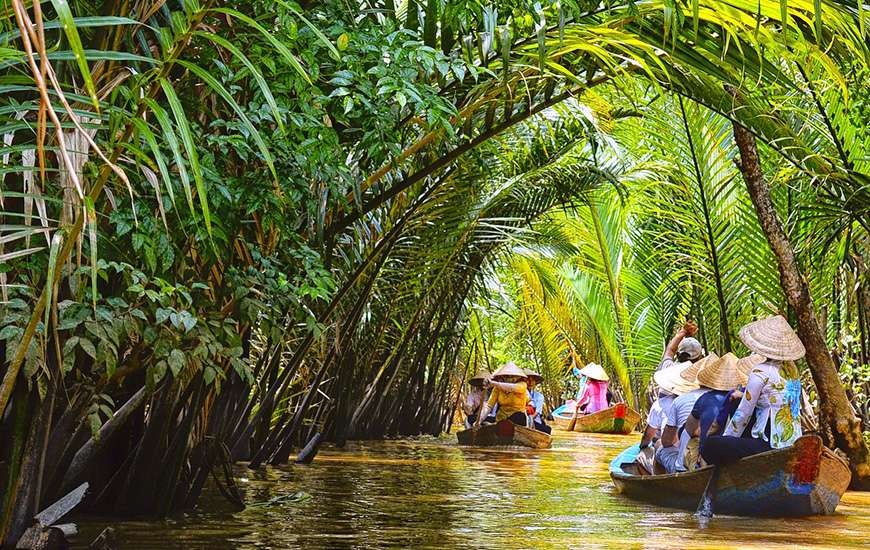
<point>504,433</point>
<point>805,479</point>
<point>608,421</point>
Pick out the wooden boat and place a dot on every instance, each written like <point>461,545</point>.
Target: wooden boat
<point>618,419</point>
<point>805,479</point>
<point>504,433</point>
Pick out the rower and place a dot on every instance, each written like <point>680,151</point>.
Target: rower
<point>535,407</point>
<point>475,398</point>
<point>773,394</point>
<point>593,395</point>
<point>509,392</point>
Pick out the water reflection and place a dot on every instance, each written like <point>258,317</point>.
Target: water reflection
<point>430,493</point>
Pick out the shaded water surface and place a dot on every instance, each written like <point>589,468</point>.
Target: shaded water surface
<point>431,493</point>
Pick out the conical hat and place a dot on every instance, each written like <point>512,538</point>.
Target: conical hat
<point>509,369</point>
<point>532,374</point>
<point>481,375</point>
<point>773,338</point>
<point>670,379</point>
<point>722,374</point>
<point>690,374</point>
<point>595,372</point>
<point>745,364</point>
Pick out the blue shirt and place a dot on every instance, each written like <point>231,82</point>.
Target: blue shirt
<point>537,399</point>
<point>707,408</point>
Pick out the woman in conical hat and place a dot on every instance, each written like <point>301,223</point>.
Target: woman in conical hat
<point>593,394</point>
<point>475,398</point>
<point>509,391</point>
<point>773,394</point>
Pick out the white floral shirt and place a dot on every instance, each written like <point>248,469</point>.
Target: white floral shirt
<point>776,402</point>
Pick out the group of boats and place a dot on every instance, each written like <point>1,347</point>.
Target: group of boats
<point>802,480</point>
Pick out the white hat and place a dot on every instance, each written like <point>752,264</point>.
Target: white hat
<point>773,338</point>
<point>509,369</point>
<point>595,372</point>
<point>670,379</point>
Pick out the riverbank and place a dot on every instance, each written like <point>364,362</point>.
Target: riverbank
<point>430,493</point>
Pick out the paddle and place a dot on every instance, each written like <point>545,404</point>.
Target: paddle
<point>573,421</point>
<point>708,499</point>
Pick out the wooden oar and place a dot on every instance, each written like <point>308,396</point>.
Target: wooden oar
<point>708,499</point>
<point>573,421</point>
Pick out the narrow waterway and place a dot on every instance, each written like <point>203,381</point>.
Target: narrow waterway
<point>430,493</point>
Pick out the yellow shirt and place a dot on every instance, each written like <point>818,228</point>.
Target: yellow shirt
<point>509,402</point>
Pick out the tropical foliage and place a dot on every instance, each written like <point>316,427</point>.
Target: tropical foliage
<point>228,227</point>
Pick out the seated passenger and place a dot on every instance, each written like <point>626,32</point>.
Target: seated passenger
<point>593,394</point>
<point>535,407</point>
<point>671,385</point>
<point>685,349</point>
<point>670,455</point>
<point>725,378</point>
<point>509,392</point>
<point>475,398</point>
<point>773,393</point>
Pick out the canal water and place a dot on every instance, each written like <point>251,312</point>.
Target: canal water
<point>430,493</point>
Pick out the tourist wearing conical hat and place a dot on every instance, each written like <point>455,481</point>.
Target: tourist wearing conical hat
<point>773,394</point>
<point>593,394</point>
<point>670,455</point>
<point>509,392</point>
<point>475,398</point>
<point>535,407</point>
<point>672,383</point>
<point>725,377</point>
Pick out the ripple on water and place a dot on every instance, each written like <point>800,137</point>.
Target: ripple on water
<point>430,493</point>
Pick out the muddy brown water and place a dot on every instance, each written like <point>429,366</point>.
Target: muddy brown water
<point>430,493</point>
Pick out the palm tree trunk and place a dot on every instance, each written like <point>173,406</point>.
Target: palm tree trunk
<point>838,423</point>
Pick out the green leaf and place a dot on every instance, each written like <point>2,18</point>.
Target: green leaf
<point>190,148</point>
<point>258,76</point>
<point>72,35</point>
<point>218,87</point>
<point>88,347</point>
<point>332,50</point>
<point>176,361</point>
<point>274,42</point>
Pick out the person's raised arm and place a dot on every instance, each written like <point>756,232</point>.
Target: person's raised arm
<point>689,328</point>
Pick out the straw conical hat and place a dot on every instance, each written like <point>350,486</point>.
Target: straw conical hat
<point>671,380</point>
<point>481,375</point>
<point>773,338</point>
<point>722,374</point>
<point>690,374</point>
<point>745,364</point>
<point>509,369</point>
<point>595,372</point>
<point>532,374</point>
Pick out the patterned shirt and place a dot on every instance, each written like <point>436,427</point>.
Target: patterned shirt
<point>776,403</point>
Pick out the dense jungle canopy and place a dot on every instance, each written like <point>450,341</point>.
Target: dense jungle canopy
<point>230,226</point>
